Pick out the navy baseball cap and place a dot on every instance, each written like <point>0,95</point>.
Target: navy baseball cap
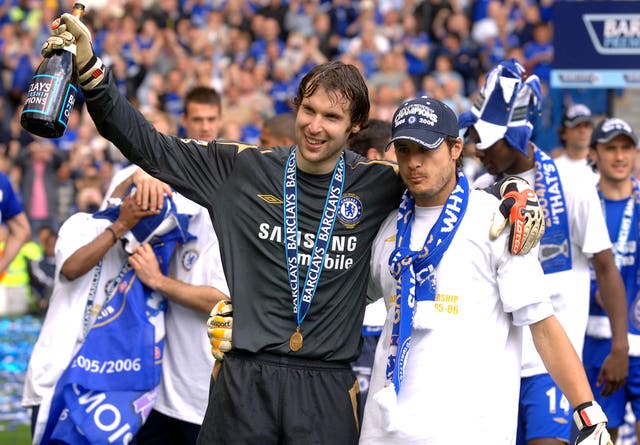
<point>611,127</point>
<point>425,121</point>
<point>575,115</point>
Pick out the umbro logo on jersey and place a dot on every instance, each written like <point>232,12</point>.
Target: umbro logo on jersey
<point>270,199</point>
<point>197,141</point>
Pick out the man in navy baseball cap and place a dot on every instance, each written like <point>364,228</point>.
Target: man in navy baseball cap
<point>438,235</point>
<point>425,121</point>
<point>609,128</point>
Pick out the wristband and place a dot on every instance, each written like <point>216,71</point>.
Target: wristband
<point>588,414</point>
<point>113,234</point>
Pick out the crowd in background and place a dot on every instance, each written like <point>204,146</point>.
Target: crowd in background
<point>254,53</point>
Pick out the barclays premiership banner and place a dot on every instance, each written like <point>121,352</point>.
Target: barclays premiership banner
<point>596,44</point>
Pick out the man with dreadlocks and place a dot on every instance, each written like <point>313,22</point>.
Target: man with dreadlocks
<point>500,124</point>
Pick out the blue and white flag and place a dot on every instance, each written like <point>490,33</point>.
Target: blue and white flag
<point>108,390</point>
<point>506,107</point>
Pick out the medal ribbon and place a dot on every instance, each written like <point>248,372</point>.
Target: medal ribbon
<point>88,309</point>
<point>620,249</point>
<point>622,255</point>
<point>302,303</point>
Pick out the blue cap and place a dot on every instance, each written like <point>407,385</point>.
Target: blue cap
<point>609,128</point>
<point>425,121</point>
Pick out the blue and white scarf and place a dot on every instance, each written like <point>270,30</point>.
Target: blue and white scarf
<point>555,245</point>
<point>108,390</point>
<point>415,270</point>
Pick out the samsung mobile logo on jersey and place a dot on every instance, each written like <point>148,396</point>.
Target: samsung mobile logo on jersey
<point>614,33</point>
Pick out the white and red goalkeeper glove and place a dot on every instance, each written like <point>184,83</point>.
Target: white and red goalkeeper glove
<point>592,425</point>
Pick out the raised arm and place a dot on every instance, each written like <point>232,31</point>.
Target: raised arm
<point>184,164</point>
<point>86,257</point>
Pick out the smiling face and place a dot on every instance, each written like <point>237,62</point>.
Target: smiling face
<point>430,175</point>
<point>323,125</point>
<point>332,102</point>
<point>615,159</point>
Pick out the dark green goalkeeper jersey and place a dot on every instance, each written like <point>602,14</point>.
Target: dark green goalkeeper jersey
<point>242,187</point>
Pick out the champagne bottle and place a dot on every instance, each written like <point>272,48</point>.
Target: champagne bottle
<point>53,91</point>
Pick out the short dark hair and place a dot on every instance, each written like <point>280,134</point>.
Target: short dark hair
<point>451,141</point>
<point>376,134</point>
<point>202,95</point>
<point>338,77</point>
<point>282,125</point>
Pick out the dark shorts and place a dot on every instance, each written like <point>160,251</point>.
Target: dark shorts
<point>273,399</point>
<point>363,366</point>
<point>160,429</point>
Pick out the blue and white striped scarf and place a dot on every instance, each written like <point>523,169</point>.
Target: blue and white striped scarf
<point>415,270</point>
<point>555,245</point>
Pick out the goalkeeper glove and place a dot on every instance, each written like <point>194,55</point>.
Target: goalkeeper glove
<point>519,207</point>
<point>592,425</point>
<point>65,31</point>
<point>219,328</point>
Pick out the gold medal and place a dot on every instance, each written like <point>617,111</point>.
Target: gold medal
<point>295,342</point>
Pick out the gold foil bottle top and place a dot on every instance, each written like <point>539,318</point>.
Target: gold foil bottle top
<point>78,10</point>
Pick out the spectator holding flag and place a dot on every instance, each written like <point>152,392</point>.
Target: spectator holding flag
<point>84,340</point>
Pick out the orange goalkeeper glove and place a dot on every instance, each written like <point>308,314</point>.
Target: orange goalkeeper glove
<point>520,208</point>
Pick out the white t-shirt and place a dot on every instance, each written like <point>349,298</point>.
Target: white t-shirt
<point>63,328</point>
<point>186,369</point>
<point>569,167</point>
<point>569,289</point>
<point>462,377</point>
